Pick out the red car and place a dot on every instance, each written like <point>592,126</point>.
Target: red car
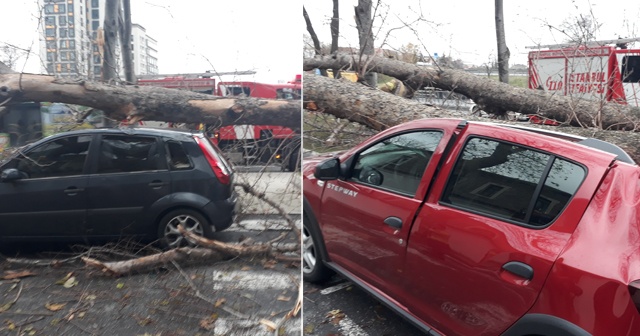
<point>469,228</point>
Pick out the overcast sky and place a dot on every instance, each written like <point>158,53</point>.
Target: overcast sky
<point>465,29</point>
<point>196,35</point>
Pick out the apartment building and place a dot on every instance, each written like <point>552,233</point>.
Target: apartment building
<point>72,40</point>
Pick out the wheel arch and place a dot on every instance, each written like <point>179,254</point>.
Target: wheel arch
<point>307,211</point>
<point>544,325</point>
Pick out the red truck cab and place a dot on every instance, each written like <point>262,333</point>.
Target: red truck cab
<point>467,228</point>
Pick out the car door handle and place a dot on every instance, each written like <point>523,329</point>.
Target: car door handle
<point>520,269</point>
<point>73,190</point>
<point>157,184</point>
<point>394,222</point>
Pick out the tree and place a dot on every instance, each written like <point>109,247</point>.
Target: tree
<point>314,37</point>
<point>410,53</point>
<point>125,41</point>
<point>503,51</point>
<point>380,110</point>
<point>150,103</point>
<point>494,97</point>
<point>10,55</point>
<point>109,60</point>
<point>364,24</point>
<point>580,29</point>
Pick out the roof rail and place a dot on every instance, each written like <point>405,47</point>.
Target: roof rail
<point>608,147</point>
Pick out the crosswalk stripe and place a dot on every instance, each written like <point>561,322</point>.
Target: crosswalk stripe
<point>261,225</point>
<point>349,328</point>
<point>253,280</point>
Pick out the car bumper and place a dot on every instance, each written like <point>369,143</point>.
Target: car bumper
<point>222,213</point>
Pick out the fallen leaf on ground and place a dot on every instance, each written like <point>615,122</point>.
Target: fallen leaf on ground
<point>270,325</point>
<point>144,321</point>
<point>208,323</point>
<point>220,302</point>
<point>10,275</point>
<point>54,306</point>
<point>63,280</point>
<point>308,328</point>
<point>6,307</point>
<point>120,285</point>
<point>335,316</point>
<point>269,264</point>
<point>245,268</point>
<point>70,282</point>
<point>10,324</point>
<point>283,298</point>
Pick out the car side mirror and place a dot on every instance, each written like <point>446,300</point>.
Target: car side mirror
<point>328,169</point>
<point>10,175</point>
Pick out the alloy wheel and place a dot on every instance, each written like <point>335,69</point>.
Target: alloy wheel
<point>174,238</point>
<point>308,252</point>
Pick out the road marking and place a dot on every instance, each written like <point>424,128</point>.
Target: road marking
<point>335,288</point>
<point>349,328</point>
<point>237,327</point>
<point>262,225</point>
<point>252,280</point>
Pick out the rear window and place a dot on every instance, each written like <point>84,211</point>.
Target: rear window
<point>512,182</point>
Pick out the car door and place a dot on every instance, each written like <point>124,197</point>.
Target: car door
<point>366,218</point>
<point>489,233</point>
<point>50,199</point>
<point>129,177</point>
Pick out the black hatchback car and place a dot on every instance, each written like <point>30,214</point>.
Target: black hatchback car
<point>114,183</point>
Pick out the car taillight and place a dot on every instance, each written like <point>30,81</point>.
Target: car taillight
<point>634,292</point>
<point>222,172</point>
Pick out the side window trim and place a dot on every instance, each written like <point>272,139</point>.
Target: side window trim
<point>538,190</point>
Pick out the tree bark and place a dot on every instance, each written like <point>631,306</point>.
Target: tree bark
<point>379,110</point>
<point>335,27</point>
<point>151,103</point>
<point>364,24</point>
<point>493,96</point>
<point>503,51</point>
<point>316,42</point>
<point>109,61</point>
<point>125,42</point>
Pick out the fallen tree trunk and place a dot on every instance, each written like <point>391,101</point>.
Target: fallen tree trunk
<point>493,96</point>
<point>379,110</point>
<point>149,103</point>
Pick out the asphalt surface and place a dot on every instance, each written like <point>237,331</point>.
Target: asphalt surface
<point>338,307</point>
<point>237,294</point>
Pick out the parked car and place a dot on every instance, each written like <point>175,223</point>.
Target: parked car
<point>113,183</point>
<point>469,228</point>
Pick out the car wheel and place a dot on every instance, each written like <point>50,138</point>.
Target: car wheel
<point>313,267</point>
<point>168,233</point>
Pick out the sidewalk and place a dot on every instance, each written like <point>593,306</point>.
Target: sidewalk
<point>282,188</point>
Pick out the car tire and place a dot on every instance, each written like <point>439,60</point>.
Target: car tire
<point>313,266</point>
<point>170,237</point>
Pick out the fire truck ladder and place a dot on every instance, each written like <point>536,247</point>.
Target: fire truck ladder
<point>620,41</point>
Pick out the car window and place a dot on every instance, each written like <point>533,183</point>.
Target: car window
<point>177,157</point>
<point>397,163</point>
<point>512,182</point>
<point>61,157</point>
<point>127,153</point>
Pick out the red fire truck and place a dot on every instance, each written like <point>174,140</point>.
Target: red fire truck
<point>598,70</point>
<point>245,144</point>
